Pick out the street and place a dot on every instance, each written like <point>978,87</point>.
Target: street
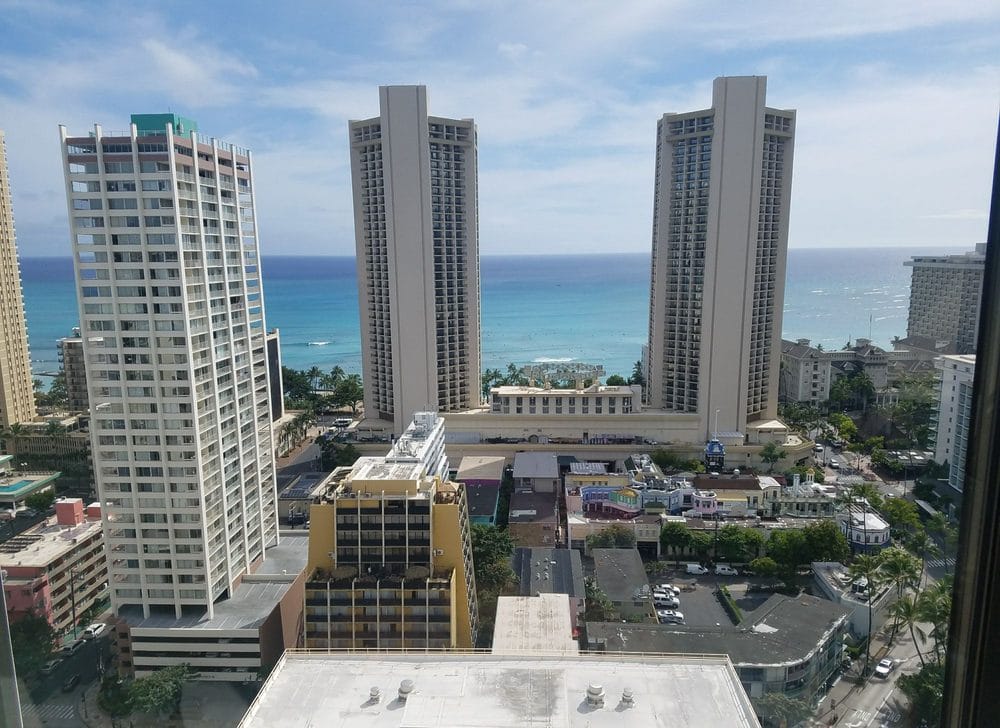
<point>46,703</point>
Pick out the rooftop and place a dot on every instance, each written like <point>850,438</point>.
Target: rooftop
<point>531,507</point>
<point>482,499</point>
<point>529,624</point>
<point>545,570</point>
<point>579,468</point>
<point>40,545</point>
<point>620,573</point>
<point>782,630</point>
<point>727,481</point>
<point>252,601</point>
<point>536,465</point>
<point>378,468</point>
<point>476,690</point>
<point>473,467</point>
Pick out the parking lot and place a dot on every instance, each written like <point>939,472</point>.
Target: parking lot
<point>700,605</point>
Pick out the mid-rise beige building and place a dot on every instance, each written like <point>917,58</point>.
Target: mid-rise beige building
<point>74,370</point>
<point>417,234</point>
<point>17,398</point>
<point>720,238</point>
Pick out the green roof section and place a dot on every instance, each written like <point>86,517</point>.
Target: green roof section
<point>157,123</point>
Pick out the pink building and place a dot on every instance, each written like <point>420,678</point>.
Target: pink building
<point>57,567</point>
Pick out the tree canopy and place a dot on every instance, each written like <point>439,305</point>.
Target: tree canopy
<point>160,692</point>
<point>32,639</point>
<point>615,536</point>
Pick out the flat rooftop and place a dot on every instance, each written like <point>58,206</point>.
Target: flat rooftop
<point>587,468</point>
<point>478,690</point>
<point>531,507</point>
<point>476,467</point>
<point>620,573</point>
<point>542,623</point>
<point>547,570</point>
<point>378,468</point>
<point>482,499</point>
<point>252,601</point>
<point>43,544</point>
<point>782,630</point>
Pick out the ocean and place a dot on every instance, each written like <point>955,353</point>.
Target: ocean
<point>582,308</point>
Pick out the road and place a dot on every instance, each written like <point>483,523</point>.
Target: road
<point>48,705</point>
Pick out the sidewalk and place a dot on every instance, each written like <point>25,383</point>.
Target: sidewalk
<point>89,711</point>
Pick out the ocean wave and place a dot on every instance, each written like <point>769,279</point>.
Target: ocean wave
<point>552,359</point>
<point>317,343</point>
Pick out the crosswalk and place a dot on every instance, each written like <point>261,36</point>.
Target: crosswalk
<point>941,563</point>
<point>49,710</point>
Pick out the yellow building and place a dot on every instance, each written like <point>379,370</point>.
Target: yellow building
<point>390,562</point>
<point>17,398</point>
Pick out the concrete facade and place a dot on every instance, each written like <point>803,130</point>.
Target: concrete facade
<point>958,373</point>
<point>415,188</point>
<point>720,238</point>
<point>945,295</point>
<point>17,398</point>
<point>167,262</point>
<point>74,369</point>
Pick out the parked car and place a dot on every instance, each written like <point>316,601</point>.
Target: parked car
<point>726,570</point>
<point>817,447</point>
<point>670,615</point>
<point>94,630</point>
<point>50,667</point>
<point>72,648</point>
<point>342,422</point>
<point>696,569</point>
<point>666,602</point>
<point>669,588</point>
<point>71,682</point>
<point>884,667</point>
<point>27,513</point>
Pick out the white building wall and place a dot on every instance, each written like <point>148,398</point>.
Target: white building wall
<point>954,410</point>
<point>167,267</point>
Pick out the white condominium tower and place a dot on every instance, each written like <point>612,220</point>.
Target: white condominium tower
<point>720,236</point>
<point>172,319</point>
<point>17,398</point>
<point>945,294</point>
<point>417,233</point>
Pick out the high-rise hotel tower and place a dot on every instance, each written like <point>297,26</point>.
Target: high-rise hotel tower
<point>720,237</point>
<point>17,398</point>
<point>168,277</point>
<point>417,233</point>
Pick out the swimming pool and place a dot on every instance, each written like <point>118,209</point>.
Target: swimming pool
<point>14,487</point>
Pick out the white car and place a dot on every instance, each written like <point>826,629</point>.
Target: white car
<point>696,569</point>
<point>669,588</point>
<point>94,630</point>
<point>726,570</point>
<point>665,602</point>
<point>884,667</point>
<point>670,615</point>
<point>817,448</point>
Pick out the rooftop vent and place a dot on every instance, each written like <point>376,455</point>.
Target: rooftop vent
<point>627,699</point>
<point>405,688</point>
<point>374,695</point>
<point>595,696</point>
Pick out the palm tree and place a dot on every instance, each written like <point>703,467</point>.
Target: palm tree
<point>869,568</point>
<point>924,547</point>
<point>935,608</point>
<point>907,612</point>
<point>901,569</point>
<point>314,374</point>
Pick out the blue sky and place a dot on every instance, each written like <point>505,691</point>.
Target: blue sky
<point>897,106</point>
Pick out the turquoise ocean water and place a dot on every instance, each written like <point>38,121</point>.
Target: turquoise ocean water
<point>585,308</point>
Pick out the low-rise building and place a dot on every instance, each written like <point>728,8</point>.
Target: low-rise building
<point>597,399</point>
<point>242,640</point>
<point>545,623</point>
<point>833,581</point>
<point>482,477</point>
<point>622,577</point>
<point>421,690</point>
<point>866,531</point>
<point>551,571</point>
<point>787,645</point>
<point>57,569</point>
<point>534,518</point>
<point>536,471</point>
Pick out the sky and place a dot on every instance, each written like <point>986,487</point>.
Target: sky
<point>896,101</point>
